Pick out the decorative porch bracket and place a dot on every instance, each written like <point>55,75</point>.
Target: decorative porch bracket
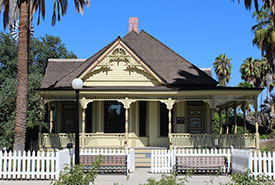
<point>169,104</point>
<point>83,103</point>
<point>126,104</point>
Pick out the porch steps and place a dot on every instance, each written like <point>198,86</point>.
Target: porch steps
<point>143,156</point>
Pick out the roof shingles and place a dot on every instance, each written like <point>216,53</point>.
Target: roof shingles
<point>168,65</point>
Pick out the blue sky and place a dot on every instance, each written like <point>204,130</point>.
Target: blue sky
<point>197,30</point>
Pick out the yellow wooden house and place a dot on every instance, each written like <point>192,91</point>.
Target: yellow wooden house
<point>139,93</point>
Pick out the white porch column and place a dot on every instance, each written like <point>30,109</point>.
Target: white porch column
<point>83,103</point>
<point>169,104</point>
<point>226,118</point>
<point>255,105</point>
<point>51,118</point>
<point>126,103</point>
<point>235,119</point>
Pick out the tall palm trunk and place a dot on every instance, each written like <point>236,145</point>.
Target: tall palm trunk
<point>22,78</point>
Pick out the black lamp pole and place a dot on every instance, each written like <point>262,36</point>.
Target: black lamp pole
<point>77,127</point>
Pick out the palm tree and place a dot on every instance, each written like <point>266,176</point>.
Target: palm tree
<point>264,37</point>
<point>266,75</point>
<point>24,10</point>
<point>222,68</point>
<point>267,3</point>
<point>251,72</point>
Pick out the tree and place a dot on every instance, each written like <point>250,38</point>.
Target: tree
<point>264,35</point>
<point>222,68</point>
<point>24,10</point>
<point>267,3</point>
<point>40,50</point>
<point>250,72</point>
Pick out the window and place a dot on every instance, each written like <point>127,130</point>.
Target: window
<point>114,117</point>
<point>142,118</point>
<point>69,116</point>
<point>88,121</point>
<point>163,120</point>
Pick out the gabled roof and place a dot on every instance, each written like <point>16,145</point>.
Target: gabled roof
<point>173,69</point>
<point>170,65</point>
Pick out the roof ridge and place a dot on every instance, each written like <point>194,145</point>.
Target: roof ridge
<point>86,61</point>
<point>66,60</point>
<point>176,53</point>
<point>106,47</point>
<point>144,61</point>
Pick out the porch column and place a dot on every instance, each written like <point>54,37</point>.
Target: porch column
<point>126,103</point>
<point>220,116</point>
<point>169,104</point>
<point>212,121</point>
<point>51,117</point>
<point>126,126</point>
<point>256,124</point>
<point>40,123</point>
<point>226,118</point>
<point>244,117</point>
<point>83,103</point>
<point>235,119</point>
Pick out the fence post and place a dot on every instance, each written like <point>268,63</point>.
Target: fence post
<point>57,165</point>
<point>131,159</point>
<point>250,161</point>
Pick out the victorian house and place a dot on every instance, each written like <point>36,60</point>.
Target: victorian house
<point>139,93</point>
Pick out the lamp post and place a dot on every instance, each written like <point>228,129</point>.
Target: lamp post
<point>77,84</point>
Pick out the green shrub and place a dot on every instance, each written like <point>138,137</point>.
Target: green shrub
<point>247,179</point>
<point>75,175</point>
<point>168,180</point>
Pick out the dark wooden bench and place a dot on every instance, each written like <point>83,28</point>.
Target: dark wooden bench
<point>200,163</point>
<point>109,163</point>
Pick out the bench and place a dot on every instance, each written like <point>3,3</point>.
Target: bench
<point>200,163</point>
<point>109,163</point>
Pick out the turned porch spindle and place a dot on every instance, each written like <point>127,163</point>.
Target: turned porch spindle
<point>226,118</point>
<point>126,126</point>
<point>170,126</point>
<point>51,118</point>
<point>235,119</point>
<point>83,119</point>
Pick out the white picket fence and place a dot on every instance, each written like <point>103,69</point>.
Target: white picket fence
<point>258,163</point>
<point>47,165</point>
<point>32,165</point>
<point>130,152</point>
<point>163,161</point>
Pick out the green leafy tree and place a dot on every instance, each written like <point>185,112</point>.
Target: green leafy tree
<point>40,50</point>
<point>75,175</point>
<point>251,72</point>
<point>267,3</point>
<point>24,10</point>
<point>222,68</point>
<point>264,39</point>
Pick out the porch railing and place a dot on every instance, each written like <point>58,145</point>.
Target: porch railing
<point>99,139</point>
<point>214,140</point>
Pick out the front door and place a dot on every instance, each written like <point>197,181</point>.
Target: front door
<point>68,118</point>
<point>195,119</point>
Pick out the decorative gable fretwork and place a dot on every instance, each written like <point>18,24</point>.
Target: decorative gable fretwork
<point>118,66</point>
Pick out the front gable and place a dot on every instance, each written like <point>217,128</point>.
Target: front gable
<point>119,66</point>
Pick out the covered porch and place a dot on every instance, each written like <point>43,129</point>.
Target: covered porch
<point>144,120</point>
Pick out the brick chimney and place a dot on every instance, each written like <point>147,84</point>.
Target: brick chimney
<point>133,24</point>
